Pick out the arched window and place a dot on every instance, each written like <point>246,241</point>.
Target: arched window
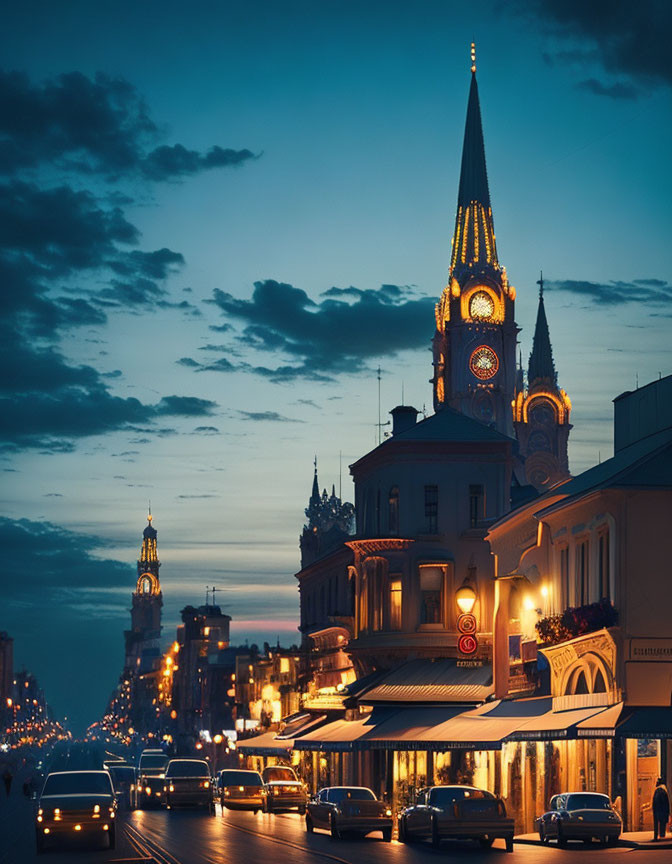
<point>393,511</point>
<point>599,685</point>
<point>146,585</point>
<point>581,685</point>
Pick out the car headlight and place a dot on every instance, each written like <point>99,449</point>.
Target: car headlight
<point>148,790</point>
<point>226,793</point>
<point>206,784</point>
<point>96,808</point>
<point>388,812</point>
<point>161,776</point>
<point>171,788</point>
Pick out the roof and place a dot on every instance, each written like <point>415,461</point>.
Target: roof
<point>541,364</point>
<point>423,681</point>
<point>449,425</point>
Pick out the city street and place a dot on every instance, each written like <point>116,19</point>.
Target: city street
<point>185,837</point>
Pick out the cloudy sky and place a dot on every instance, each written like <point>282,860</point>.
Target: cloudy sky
<point>217,220</point>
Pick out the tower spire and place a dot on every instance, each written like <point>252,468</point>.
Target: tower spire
<point>541,364</point>
<point>474,236</point>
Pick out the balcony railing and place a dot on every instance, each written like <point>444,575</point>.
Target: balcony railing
<point>576,621</point>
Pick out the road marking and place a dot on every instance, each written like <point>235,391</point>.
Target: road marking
<point>150,847</point>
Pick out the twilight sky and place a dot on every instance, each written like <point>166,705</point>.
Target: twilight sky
<point>217,219</point>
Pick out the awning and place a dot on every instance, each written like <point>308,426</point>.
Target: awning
<point>431,681</point>
<point>266,745</point>
<point>340,735</point>
<point>602,724</point>
<point>408,728</point>
<point>554,724</point>
<point>654,722</point>
<point>300,723</point>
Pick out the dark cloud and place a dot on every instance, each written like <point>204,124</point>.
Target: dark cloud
<point>206,430</point>
<point>619,90</point>
<point>654,292</point>
<point>65,573</point>
<point>629,39</point>
<point>264,416</point>
<point>97,125</point>
<point>198,496</point>
<point>186,406</point>
<point>343,331</point>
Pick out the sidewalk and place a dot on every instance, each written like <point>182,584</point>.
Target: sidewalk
<point>632,839</point>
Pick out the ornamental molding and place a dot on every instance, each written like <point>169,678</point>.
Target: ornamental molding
<point>376,545</point>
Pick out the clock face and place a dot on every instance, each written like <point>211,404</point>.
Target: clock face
<point>484,363</point>
<point>481,306</point>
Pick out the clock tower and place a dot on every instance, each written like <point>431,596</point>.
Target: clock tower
<point>142,640</point>
<point>474,347</point>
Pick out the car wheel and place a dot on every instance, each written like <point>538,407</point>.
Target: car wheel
<point>112,838</point>
<point>387,835</point>
<point>509,843</point>
<point>542,835</point>
<point>436,838</point>
<point>334,829</point>
<point>486,842</point>
<point>309,824</point>
<point>403,835</point>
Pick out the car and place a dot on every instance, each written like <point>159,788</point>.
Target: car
<point>456,812</point>
<point>348,810</point>
<point>580,816</point>
<point>123,781</point>
<point>284,790</point>
<point>241,790</point>
<point>188,783</point>
<point>150,779</point>
<point>73,803</point>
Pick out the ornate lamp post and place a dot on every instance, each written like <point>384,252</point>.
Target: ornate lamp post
<point>465,597</point>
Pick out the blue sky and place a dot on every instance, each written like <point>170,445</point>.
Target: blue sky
<point>339,128</point>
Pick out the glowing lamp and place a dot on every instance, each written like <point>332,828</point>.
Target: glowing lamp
<point>544,591</point>
<point>528,603</point>
<point>217,739</point>
<point>465,597</point>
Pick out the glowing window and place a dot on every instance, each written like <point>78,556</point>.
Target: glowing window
<point>395,603</point>
<point>481,306</point>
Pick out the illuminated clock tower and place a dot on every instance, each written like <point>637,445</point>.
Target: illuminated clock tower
<point>474,346</point>
<point>142,640</point>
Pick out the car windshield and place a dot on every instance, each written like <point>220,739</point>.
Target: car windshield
<point>584,801</point>
<point>78,783</point>
<point>241,778</point>
<point>278,773</point>
<point>448,795</point>
<point>153,762</point>
<point>188,768</point>
<point>121,774</point>
<point>336,796</point>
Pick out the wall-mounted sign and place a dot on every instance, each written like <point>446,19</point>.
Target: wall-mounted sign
<point>466,623</point>
<point>658,650</point>
<point>467,644</point>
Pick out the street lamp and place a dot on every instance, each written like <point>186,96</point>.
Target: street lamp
<point>465,597</point>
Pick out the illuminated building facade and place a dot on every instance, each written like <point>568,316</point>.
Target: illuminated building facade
<point>143,639</point>
<point>541,414</point>
<point>474,347</point>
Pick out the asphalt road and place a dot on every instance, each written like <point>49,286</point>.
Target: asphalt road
<point>184,837</point>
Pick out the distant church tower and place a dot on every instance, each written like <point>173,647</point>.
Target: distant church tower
<point>474,346</point>
<point>142,640</point>
<point>541,414</point>
<point>329,525</point>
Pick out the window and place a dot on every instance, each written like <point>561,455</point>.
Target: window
<point>582,573</point>
<point>395,602</point>
<point>476,509</point>
<point>564,576</point>
<point>393,511</point>
<point>431,509</point>
<point>604,575</point>
<point>431,591</point>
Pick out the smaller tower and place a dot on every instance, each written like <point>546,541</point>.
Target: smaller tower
<point>541,413</point>
<point>329,523</point>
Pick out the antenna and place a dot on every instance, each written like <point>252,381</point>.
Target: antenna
<point>379,426</point>
<point>637,380</point>
<point>207,592</point>
<point>149,510</point>
<point>213,594</point>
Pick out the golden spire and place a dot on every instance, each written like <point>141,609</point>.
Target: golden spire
<point>473,57</point>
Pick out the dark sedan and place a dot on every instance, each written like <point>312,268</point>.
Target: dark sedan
<point>123,781</point>
<point>456,812</point>
<point>150,779</point>
<point>241,790</point>
<point>580,816</point>
<point>188,784</point>
<point>75,803</point>
<point>349,810</point>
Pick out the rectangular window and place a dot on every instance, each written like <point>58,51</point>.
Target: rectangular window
<point>564,577</point>
<point>393,511</point>
<point>431,592</point>
<point>603,566</point>
<point>431,509</point>
<point>395,602</point>
<point>582,573</point>
<point>476,510</point>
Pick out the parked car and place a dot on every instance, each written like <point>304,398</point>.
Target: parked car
<point>188,783</point>
<point>284,790</point>
<point>241,790</point>
<point>73,803</point>
<point>580,816</point>
<point>123,781</point>
<point>349,809</point>
<point>150,778</point>
<point>456,812</point>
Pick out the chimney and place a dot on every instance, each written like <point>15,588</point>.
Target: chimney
<point>403,417</point>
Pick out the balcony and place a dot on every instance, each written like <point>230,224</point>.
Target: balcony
<point>576,621</point>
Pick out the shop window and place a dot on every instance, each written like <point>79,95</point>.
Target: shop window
<point>476,505</point>
<point>431,509</point>
<point>603,565</point>
<point>431,595</point>
<point>395,602</point>
<point>582,573</point>
<point>393,511</point>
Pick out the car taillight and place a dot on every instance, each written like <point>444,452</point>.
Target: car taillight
<point>171,788</point>
<point>206,784</point>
